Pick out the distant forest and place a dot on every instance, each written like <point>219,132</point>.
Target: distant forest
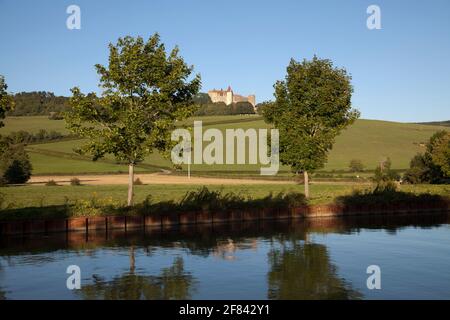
<point>437,123</point>
<point>43,103</point>
<point>38,103</point>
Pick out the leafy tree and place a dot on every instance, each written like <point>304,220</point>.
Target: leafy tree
<point>439,150</point>
<point>243,107</point>
<point>260,107</point>
<point>312,107</point>
<point>173,282</point>
<point>38,103</point>
<point>434,165</point>
<point>356,165</point>
<point>6,101</point>
<point>384,173</point>
<point>220,108</point>
<point>202,98</point>
<point>302,270</point>
<point>419,171</point>
<point>145,90</point>
<point>15,165</point>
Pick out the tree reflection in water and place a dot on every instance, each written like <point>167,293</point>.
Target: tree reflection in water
<point>301,270</point>
<point>172,283</point>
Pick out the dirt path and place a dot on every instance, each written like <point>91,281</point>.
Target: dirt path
<point>153,178</point>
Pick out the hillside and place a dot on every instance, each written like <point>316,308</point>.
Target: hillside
<point>367,140</point>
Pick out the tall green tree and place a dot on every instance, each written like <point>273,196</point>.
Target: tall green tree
<point>6,101</point>
<point>145,90</point>
<point>312,106</point>
<point>433,166</point>
<point>439,150</point>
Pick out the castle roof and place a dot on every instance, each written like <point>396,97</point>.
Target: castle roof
<point>221,90</point>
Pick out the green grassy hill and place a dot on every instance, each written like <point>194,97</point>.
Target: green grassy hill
<point>367,140</point>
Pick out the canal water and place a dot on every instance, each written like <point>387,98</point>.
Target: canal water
<point>315,259</point>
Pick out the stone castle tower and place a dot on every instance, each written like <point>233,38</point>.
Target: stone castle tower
<point>228,97</point>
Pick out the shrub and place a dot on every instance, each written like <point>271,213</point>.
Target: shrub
<point>51,183</point>
<point>384,172</point>
<point>215,200</point>
<point>75,182</point>
<point>386,193</point>
<point>356,165</point>
<point>434,165</point>
<point>15,165</point>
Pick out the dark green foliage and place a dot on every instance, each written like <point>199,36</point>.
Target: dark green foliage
<point>145,91</point>
<point>221,109</point>
<point>243,108</point>
<point>51,183</point>
<point>384,173</point>
<point>201,98</point>
<point>437,123</point>
<point>434,165</point>
<point>312,107</point>
<point>15,165</point>
<point>356,165</point>
<point>387,193</point>
<point>261,107</point>
<point>38,103</point>
<point>419,171</point>
<point>204,199</point>
<point>439,150</point>
<point>42,135</point>
<point>6,102</point>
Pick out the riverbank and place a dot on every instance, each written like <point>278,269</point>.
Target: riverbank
<point>167,220</point>
<point>211,205</point>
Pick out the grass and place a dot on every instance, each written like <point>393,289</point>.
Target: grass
<point>32,196</point>
<point>62,201</point>
<point>367,140</point>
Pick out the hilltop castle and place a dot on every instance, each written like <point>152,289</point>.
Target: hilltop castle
<point>228,97</point>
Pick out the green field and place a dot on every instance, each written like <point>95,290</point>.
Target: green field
<point>367,140</point>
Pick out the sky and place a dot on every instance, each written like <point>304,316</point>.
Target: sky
<point>400,72</point>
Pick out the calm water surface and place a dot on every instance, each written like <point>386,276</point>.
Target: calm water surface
<point>320,259</point>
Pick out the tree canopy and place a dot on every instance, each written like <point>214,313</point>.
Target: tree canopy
<point>145,90</point>
<point>312,106</point>
<point>6,101</point>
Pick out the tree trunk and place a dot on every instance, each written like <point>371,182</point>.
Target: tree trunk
<point>305,175</point>
<point>130,183</point>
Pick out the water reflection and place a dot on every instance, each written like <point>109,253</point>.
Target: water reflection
<point>270,259</point>
<point>172,283</point>
<point>301,270</point>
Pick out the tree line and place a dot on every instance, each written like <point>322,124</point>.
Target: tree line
<point>37,103</point>
<point>205,107</point>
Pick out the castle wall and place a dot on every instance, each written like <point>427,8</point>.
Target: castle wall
<point>228,97</point>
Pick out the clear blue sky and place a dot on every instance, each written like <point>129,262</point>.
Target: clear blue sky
<point>400,73</point>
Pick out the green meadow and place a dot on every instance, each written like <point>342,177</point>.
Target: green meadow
<point>18,197</point>
<point>367,140</point>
